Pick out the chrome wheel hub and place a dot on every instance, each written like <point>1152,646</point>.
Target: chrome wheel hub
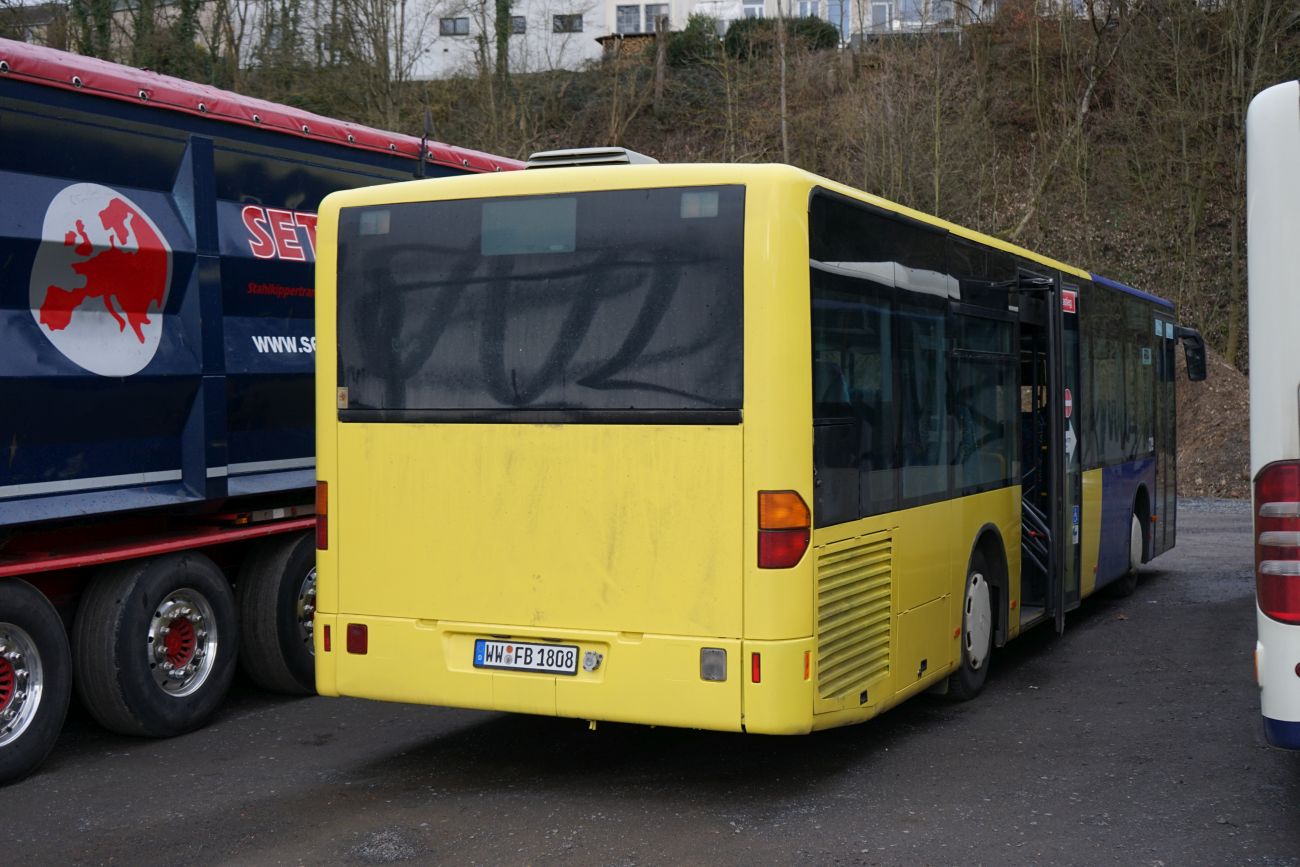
<point>182,642</point>
<point>21,680</point>
<point>306,609</point>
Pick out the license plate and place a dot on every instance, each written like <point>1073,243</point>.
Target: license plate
<point>523,656</point>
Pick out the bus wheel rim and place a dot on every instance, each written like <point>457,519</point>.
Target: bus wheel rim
<point>306,609</point>
<point>21,679</point>
<point>1135,544</point>
<point>182,642</point>
<point>977,620</point>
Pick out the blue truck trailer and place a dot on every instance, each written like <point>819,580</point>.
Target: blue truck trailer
<point>157,244</point>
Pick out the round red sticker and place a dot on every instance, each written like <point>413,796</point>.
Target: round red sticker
<point>1069,403</point>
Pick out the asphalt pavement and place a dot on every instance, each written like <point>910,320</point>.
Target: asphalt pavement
<point>1133,738</point>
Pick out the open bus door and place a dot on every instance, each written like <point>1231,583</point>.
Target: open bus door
<point>1051,482</point>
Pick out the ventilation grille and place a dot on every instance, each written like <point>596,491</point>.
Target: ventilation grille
<point>854,584</point>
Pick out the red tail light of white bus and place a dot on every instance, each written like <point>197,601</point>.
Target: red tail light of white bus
<point>1277,541</point>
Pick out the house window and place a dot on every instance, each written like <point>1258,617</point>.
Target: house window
<point>653,12</point>
<point>753,10</point>
<point>566,23</point>
<point>880,15</point>
<point>518,24</point>
<point>453,26</point>
<point>837,13</point>
<point>628,19</point>
<point>809,8</point>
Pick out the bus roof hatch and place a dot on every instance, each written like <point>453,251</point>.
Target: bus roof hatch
<point>609,156</point>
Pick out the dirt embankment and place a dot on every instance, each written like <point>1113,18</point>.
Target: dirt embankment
<point>1213,431</point>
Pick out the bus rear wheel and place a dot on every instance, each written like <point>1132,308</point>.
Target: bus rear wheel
<point>35,678</point>
<point>154,644</point>
<point>277,607</point>
<point>976,634</point>
<point>1127,583</point>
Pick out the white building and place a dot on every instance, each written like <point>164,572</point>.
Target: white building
<point>563,34</point>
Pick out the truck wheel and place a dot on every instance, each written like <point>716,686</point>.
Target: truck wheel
<point>976,634</point>
<point>155,643</point>
<point>277,605</point>
<point>35,678</point>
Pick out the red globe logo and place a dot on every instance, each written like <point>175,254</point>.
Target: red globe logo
<point>100,280</point>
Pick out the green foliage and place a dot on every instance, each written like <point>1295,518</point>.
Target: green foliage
<point>748,38</point>
<point>696,43</point>
<point>813,34</point>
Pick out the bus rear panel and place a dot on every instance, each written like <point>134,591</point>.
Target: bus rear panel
<point>1273,226</point>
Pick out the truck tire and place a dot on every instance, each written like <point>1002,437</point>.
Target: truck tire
<point>35,678</point>
<point>276,593</point>
<point>154,644</point>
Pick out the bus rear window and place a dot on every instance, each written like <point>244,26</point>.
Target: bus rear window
<point>527,307</point>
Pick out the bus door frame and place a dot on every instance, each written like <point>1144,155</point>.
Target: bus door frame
<point>1042,291</point>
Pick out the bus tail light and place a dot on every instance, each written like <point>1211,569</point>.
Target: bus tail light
<point>1277,541</point>
<point>358,638</point>
<point>322,516</point>
<point>784,529</point>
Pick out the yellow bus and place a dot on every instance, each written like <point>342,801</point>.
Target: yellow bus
<point>729,447</point>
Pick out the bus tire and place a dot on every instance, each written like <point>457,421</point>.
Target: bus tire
<point>35,678</point>
<point>1127,583</point>
<point>977,626</point>
<point>154,644</point>
<point>276,593</point>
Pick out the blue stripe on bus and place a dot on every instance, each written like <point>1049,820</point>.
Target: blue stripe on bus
<point>1147,296</point>
<point>1282,733</point>
<point>1119,485</point>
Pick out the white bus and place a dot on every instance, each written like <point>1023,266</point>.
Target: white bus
<point>1273,229</point>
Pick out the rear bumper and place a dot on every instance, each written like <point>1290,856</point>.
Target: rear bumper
<point>1281,733</point>
<point>645,679</point>
<point>1277,665</point>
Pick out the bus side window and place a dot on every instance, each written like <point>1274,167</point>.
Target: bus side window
<point>922,354</point>
<point>853,381</point>
<point>986,404</point>
<point>853,378</point>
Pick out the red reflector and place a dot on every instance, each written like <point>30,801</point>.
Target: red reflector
<point>325,642</point>
<point>358,638</point>
<point>322,516</point>
<point>756,668</point>
<point>1277,541</point>
<point>781,549</point>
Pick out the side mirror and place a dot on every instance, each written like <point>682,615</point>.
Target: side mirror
<point>1194,350</point>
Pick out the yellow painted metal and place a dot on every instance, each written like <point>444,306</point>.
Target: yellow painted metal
<point>778,389</point>
<point>638,543</point>
<point>622,527</point>
<point>327,425</point>
<point>782,704</point>
<point>1091,533</point>
<point>649,679</point>
<point>931,550</point>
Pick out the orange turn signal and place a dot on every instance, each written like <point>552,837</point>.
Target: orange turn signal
<point>782,510</point>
